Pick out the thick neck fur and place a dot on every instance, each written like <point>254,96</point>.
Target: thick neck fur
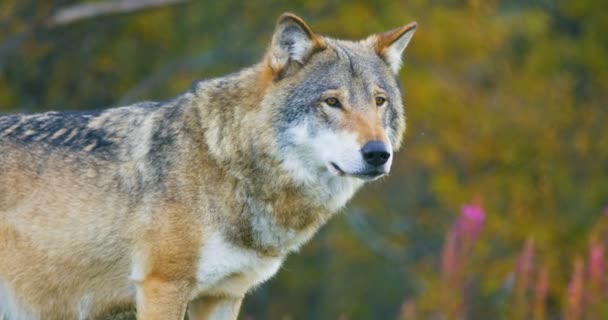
<point>271,212</point>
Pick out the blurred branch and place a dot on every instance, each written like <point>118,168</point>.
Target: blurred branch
<point>12,43</point>
<point>198,61</point>
<point>164,73</point>
<point>357,219</point>
<point>84,11</point>
<point>161,75</point>
<point>74,13</point>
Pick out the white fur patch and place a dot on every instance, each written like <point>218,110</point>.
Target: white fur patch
<point>295,162</point>
<point>274,236</point>
<point>314,154</point>
<point>342,190</point>
<point>9,308</point>
<point>310,163</point>
<point>340,148</point>
<point>227,269</point>
<point>84,306</point>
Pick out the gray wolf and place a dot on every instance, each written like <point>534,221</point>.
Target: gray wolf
<point>184,206</point>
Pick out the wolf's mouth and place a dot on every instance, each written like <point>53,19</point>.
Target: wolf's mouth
<point>339,170</point>
<point>370,175</point>
<point>366,175</point>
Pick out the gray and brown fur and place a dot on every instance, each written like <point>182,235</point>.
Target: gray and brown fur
<point>108,211</point>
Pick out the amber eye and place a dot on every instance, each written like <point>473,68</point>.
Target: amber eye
<point>333,102</point>
<point>380,101</point>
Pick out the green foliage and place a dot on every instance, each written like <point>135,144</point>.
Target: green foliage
<point>506,101</point>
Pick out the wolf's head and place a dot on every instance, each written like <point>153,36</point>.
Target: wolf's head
<point>336,104</point>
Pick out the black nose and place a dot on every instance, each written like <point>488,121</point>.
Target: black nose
<point>375,153</point>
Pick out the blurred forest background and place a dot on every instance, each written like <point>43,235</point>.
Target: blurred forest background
<point>507,112</point>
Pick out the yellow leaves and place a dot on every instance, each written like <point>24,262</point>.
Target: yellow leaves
<point>446,183</point>
<point>356,12</point>
<point>429,156</point>
<point>152,26</point>
<point>8,99</point>
<point>456,35</point>
<point>104,63</point>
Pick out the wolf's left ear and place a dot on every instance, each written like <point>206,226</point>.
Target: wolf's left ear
<point>292,43</point>
<point>390,44</point>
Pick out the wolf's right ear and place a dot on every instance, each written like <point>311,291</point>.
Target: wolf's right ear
<point>292,43</point>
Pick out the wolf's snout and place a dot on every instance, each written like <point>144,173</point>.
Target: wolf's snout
<point>375,153</point>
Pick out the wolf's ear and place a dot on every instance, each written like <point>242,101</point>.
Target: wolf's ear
<point>292,43</point>
<point>390,44</point>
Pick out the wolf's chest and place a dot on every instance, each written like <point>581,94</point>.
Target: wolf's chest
<point>230,270</point>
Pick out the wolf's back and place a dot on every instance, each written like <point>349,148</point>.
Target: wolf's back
<point>88,131</point>
<point>78,148</point>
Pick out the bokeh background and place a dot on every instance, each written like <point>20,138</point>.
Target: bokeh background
<point>495,207</point>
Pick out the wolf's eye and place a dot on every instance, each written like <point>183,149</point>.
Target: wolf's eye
<point>333,102</point>
<point>380,101</point>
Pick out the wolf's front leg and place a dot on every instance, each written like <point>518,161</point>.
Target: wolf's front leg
<point>214,308</point>
<point>159,299</point>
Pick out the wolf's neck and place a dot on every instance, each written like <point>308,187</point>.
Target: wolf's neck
<point>234,123</point>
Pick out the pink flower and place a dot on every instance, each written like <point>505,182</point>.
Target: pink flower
<point>523,278</point>
<point>575,292</point>
<point>471,220</point>
<point>595,282</point>
<point>596,263</point>
<point>525,264</point>
<point>540,293</point>
<point>449,255</point>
